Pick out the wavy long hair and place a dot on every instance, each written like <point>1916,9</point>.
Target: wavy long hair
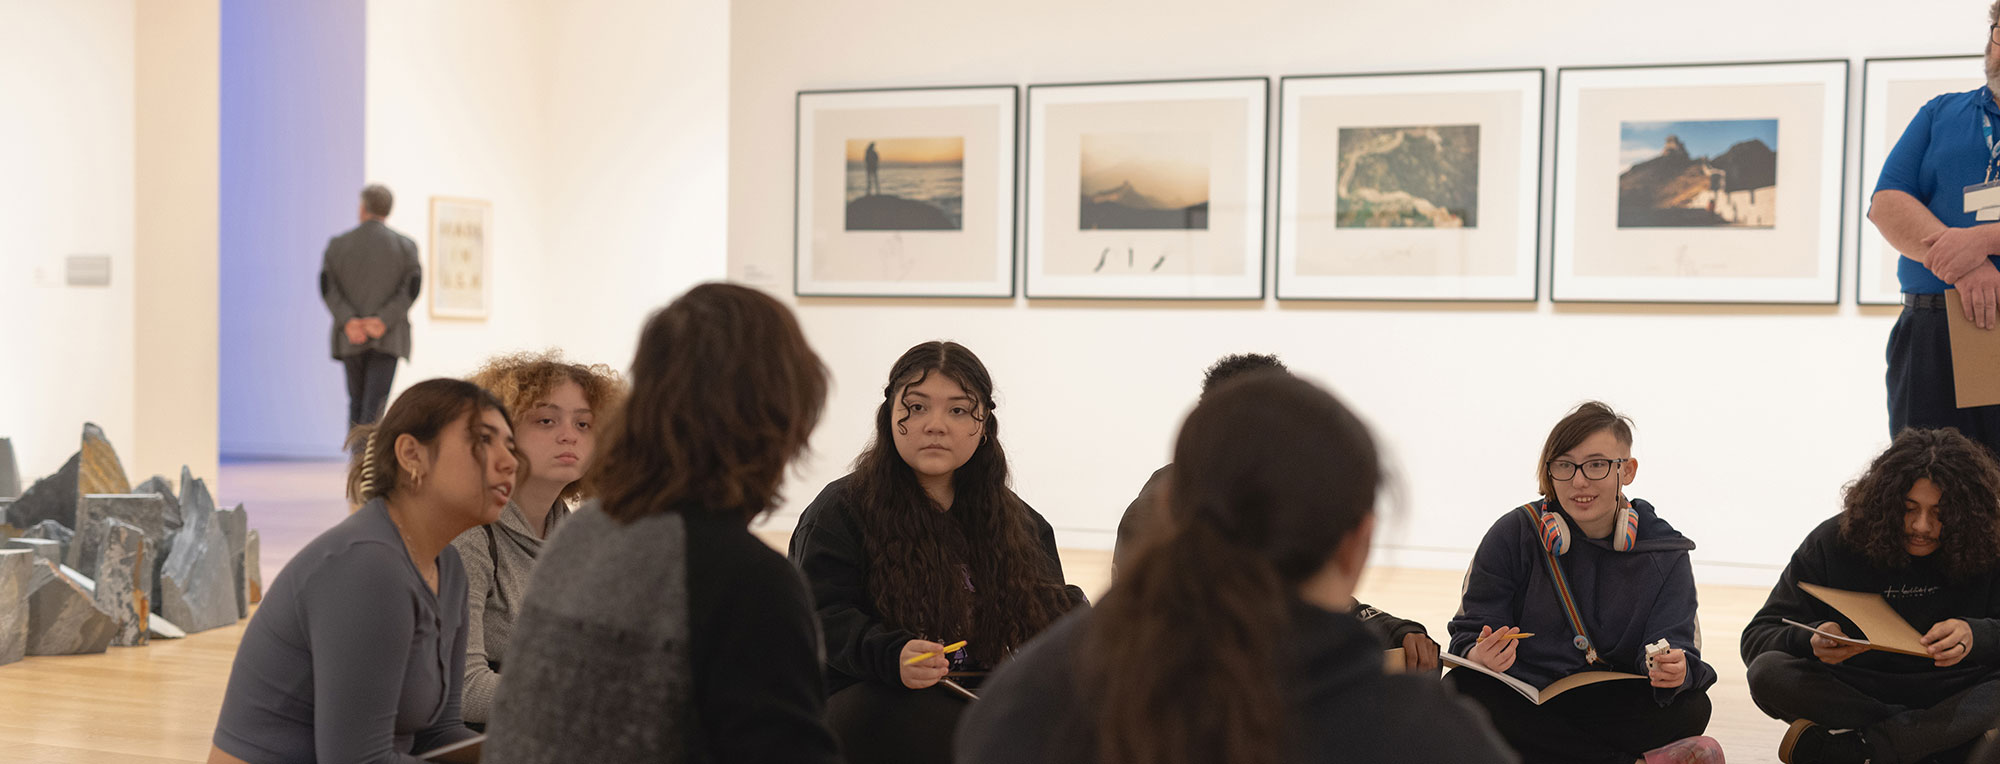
<point>725,393</point>
<point>1271,475</point>
<point>919,557</point>
<point>1968,482</point>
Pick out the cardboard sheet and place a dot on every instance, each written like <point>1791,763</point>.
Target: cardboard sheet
<point>1975,357</point>
<point>1880,626</point>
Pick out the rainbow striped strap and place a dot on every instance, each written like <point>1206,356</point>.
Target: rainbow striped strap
<point>1563,593</point>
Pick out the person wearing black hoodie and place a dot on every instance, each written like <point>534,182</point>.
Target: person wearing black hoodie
<point>1920,529</point>
<point>1225,637</point>
<point>1420,652</point>
<point>1628,573</point>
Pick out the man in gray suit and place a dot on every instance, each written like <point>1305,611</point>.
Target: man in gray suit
<point>369,279</point>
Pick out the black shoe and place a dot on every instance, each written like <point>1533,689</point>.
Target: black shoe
<point>1809,743</point>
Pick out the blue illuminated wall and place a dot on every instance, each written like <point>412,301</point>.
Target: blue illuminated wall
<point>292,170</point>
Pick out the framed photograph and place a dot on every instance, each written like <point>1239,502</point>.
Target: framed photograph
<point>461,231</point>
<point>1713,183</point>
<point>1410,186</point>
<point>905,193</point>
<point>1892,90</point>
<point>1147,190</point>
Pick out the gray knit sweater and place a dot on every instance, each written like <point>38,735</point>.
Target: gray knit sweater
<point>498,559</point>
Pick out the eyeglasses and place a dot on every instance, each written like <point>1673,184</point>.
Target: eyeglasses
<point>1595,469</point>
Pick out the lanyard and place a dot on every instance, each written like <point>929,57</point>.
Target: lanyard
<point>1992,148</point>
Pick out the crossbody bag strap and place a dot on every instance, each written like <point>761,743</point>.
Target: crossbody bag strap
<point>1561,582</point>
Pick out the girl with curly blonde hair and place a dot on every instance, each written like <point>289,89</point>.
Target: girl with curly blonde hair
<point>556,405</point>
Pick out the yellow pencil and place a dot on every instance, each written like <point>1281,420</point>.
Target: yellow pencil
<point>948,649</point>
<point>1516,635</point>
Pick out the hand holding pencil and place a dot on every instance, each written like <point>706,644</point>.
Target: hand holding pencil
<point>922,663</point>
<point>1495,648</point>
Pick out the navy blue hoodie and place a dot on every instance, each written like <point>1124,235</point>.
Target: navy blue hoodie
<point>1627,600</point>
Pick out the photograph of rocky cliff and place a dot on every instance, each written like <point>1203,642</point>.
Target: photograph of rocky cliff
<point>1716,173</point>
<point>1143,181</point>
<point>1408,177</point>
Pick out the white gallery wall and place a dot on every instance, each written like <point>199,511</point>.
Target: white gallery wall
<point>596,129</point>
<point>1749,418</point>
<point>66,188</point>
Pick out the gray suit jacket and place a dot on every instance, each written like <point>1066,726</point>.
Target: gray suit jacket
<point>371,271</point>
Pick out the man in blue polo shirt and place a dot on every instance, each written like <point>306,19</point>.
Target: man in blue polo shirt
<point>1938,203</point>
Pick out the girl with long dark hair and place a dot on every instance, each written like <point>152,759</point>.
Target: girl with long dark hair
<point>1227,637</point>
<point>923,545</point>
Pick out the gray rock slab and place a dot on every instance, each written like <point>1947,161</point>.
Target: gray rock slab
<point>53,531</point>
<point>236,531</point>
<point>147,511</point>
<point>165,488</point>
<point>47,549</point>
<point>197,506</point>
<point>253,568</point>
<point>10,470</point>
<point>194,496</point>
<point>121,573</point>
<point>100,472</point>
<point>197,587</point>
<point>63,619</point>
<point>16,574</point>
<point>50,498</point>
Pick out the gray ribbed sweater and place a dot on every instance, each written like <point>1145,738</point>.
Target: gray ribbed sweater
<point>498,559</point>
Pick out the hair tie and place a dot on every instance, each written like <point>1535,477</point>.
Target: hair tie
<point>368,487</point>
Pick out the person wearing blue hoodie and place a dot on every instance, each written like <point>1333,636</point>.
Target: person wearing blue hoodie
<point>1921,528</point>
<point>1627,572</point>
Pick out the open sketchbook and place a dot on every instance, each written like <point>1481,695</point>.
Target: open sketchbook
<point>1544,694</point>
<point>1881,628</point>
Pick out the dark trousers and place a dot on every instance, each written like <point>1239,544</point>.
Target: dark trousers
<point>1906,717</point>
<point>879,724</point>
<point>1921,393</point>
<point>1605,722</point>
<point>369,375</point>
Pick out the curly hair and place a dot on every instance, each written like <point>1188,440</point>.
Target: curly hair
<point>1235,365</point>
<point>919,557</point>
<point>522,380</point>
<point>1968,482</point>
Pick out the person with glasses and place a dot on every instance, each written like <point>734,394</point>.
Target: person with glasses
<point>1921,528</point>
<point>1586,579</point>
<point>1937,204</point>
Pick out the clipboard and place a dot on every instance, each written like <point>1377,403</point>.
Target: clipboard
<point>1975,356</point>
<point>1881,628</point>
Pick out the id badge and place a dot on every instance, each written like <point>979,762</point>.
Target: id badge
<point>1983,199</point>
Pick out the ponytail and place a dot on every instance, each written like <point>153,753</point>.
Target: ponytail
<point>364,480</point>
<point>1196,621</point>
<point>1271,475</point>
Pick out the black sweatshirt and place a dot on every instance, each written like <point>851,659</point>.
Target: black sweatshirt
<point>1919,592</point>
<point>1343,708</point>
<point>828,546</point>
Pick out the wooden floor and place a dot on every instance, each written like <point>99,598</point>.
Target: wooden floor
<point>158,703</point>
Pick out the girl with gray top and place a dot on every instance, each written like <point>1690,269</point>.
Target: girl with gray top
<point>656,627</point>
<point>556,406</point>
<point>356,653</point>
